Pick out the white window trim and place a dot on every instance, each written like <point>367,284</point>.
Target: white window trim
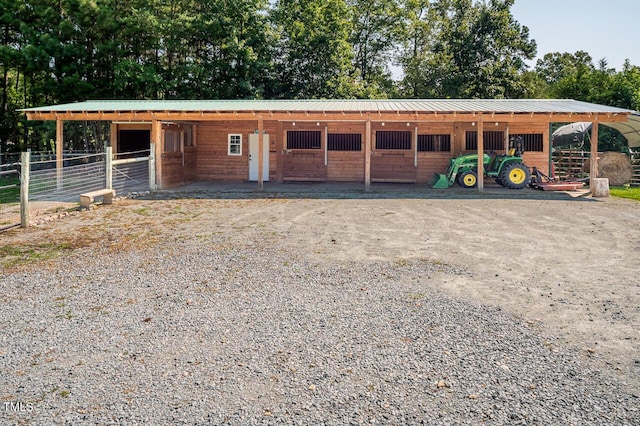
<point>230,136</point>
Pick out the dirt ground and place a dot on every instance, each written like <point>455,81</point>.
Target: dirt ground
<point>567,264</point>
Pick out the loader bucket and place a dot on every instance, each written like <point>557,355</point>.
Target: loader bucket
<point>439,181</point>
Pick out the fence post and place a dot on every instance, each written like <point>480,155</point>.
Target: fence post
<point>152,167</point>
<point>109,167</point>
<point>25,160</point>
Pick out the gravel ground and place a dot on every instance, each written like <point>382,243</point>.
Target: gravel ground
<point>196,330</point>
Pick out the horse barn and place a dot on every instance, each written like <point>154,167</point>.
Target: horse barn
<point>364,141</point>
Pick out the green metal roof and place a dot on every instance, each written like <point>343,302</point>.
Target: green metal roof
<point>419,105</point>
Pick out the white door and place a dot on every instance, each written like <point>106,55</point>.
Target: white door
<point>253,157</point>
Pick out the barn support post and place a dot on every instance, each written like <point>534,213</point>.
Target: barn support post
<point>415,147</point>
<point>367,156</point>
<point>260,153</point>
<point>593,172</point>
<point>113,136</point>
<point>25,164</point>
<point>59,153</point>
<point>480,154</point>
<point>156,143</point>
<point>599,186</point>
<point>152,167</point>
<point>551,171</point>
<point>109,168</point>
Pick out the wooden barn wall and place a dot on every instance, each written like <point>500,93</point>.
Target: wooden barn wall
<point>346,166</point>
<point>213,161</point>
<point>531,159</point>
<point>304,164</point>
<point>172,175</point>
<point>178,168</point>
<point>433,162</point>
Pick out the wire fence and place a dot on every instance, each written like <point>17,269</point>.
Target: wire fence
<point>55,184</point>
<point>77,175</point>
<point>9,195</point>
<point>131,172</point>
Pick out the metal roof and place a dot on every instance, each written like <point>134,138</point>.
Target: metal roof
<point>343,105</point>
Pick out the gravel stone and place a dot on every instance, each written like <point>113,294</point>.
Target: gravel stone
<point>202,332</point>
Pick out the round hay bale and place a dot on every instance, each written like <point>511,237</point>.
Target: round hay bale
<point>616,167</point>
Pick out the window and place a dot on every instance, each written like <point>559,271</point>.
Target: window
<point>434,143</point>
<point>531,142</point>
<point>188,135</point>
<point>235,144</point>
<point>393,140</point>
<point>302,139</point>
<point>493,141</point>
<point>344,142</point>
<point>171,141</point>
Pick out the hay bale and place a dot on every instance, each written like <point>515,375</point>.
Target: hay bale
<point>616,167</point>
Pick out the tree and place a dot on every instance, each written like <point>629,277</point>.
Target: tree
<point>313,55</point>
<point>473,50</point>
<point>376,30</point>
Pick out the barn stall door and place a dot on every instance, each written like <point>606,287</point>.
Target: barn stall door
<point>304,158</point>
<point>393,157</point>
<point>253,157</point>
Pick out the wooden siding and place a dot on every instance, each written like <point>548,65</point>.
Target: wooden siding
<point>214,162</point>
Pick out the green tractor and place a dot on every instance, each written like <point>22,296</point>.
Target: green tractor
<point>507,169</point>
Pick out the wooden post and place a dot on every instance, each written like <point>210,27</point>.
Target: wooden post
<point>598,187</point>
<point>480,154</point>
<point>113,136</point>
<point>260,153</point>
<point>593,173</point>
<point>326,146</point>
<point>152,167</point>
<point>367,156</point>
<point>25,160</point>
<point>415,147</point>
<point>109,168</point>
<point>281,136</point>
<point>59,152</point>
<point>156,140</point>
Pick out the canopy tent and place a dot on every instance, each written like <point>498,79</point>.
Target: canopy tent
<point>576,133</point>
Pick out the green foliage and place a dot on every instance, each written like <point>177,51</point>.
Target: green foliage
<point>465,49</point>
<point>313,54</point>
<point>56,51</point>
<point>632,193</point>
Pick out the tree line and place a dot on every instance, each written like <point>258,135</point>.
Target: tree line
<point>56,51</point>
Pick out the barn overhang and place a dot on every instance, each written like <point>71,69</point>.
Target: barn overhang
<point>482,114</point>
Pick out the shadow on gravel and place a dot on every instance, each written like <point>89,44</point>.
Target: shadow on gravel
<point>249,190</point>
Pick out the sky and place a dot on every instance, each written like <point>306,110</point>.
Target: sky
<point>608,29</point>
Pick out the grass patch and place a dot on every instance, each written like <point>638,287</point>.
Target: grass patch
<point>12,255</point>
<point>632,193</point>
<point>9,195</point>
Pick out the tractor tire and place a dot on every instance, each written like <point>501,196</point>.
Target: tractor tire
<point>515,176</point>
<point>468,179</point>
<point>499,181</point>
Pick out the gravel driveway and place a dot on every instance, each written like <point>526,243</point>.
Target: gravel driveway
<point>261,311</point>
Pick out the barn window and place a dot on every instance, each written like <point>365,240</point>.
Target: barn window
<point>235,144</point>
<point>493,141</point>
<point>304,139</point>
<point>344,142</point>
<point>531,142</point>
<point>188,135</point>
<point>393,140</point>
<point>434,143</point>
<point>171,141</point>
